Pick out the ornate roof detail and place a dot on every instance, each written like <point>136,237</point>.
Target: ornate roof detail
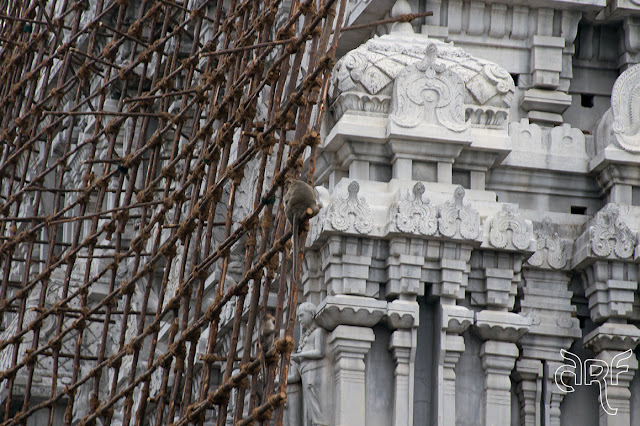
<point>550,248</point>
<point>508,219</point>
<point>610,233</point>
<point>428,92</point>
<point>415,215</point>
<point>455,217</point>
<point>352,210</point>
<point>363,79</point>
<point>625,106</point>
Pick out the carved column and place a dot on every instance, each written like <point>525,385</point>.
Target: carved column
<point>496,273</point>
<point>454,320</point>
<point>605,253</point>
<point>529,389</point>
<point>554,394</point>
<point>500,330</point>
<point>547,303</point>
<point>349,345</point>
<point>402,347</point>
<point>613,344</point>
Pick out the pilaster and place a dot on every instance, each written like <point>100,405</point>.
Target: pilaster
<point>613,345</point>
<point>349,346</point>
<point>453,320</point>
<point>498,359</point>
<point>529,389</point>
<point>402,346</point>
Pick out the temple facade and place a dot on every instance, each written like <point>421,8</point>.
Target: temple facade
<point>476,259</point>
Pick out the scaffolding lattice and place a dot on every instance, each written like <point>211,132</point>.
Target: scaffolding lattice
<point>128,131</point>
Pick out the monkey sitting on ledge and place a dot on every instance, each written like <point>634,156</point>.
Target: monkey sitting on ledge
<point>299,199</point>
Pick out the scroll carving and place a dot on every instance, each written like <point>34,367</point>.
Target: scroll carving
<point>428,91</point>
<point>351,210</point>
<point>610,234</point>
<point>507,220</point>
<point>625,105</point>
<point>457,217</point>
<point>415,215</point>
<point>550,248</point>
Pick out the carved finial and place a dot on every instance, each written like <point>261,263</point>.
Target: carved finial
<point>458,196</point>
<point>611,233</point>
<point>550,248</point>
<point>508,219</point>
<point>353,189</point>
<point>401,7</point>
<point>458,218</point>
<point>351,210</point>
<point>418,190</point>
<point>428,63</point>
<point>415,214</point>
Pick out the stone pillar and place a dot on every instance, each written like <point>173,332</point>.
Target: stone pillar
<point>349,346</point>
<point>501,331</point>
<point>498,359</point>
<point>553,396</point>
<point>529,374</point>
<point>613,344</point>
<point>454,321</point>
<point>401,346</point>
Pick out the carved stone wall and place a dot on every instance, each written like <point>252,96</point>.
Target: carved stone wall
<point>484,195</point>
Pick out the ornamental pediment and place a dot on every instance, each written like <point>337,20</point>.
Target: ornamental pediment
<point>373,77</point>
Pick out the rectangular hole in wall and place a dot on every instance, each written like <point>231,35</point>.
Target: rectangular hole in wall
<point>424,171</point>
<point>578,210</point>
<point>515,78</point>
<point>586,100</point>
<point>462,178</point>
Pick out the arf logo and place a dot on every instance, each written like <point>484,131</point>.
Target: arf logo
<point>592,371</point>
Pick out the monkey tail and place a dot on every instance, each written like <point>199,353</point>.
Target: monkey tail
<point>296,225</point>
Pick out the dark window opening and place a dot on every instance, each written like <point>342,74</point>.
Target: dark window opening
<point>515,78</point>
<point>586,100</point>
<point>578,210</point>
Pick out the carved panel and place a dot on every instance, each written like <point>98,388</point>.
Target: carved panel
<point>455,217</point>
<point>550,248</point>
<point>429,92</point>
<point>611,234</point>
<point>509,226</point>
<point>625,105</point>
<point>415,215</point>
<point>352,210</point>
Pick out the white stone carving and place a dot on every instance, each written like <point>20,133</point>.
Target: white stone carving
<point>351,211</point>
<point>625,105</point>
<point>455,217</point>
<point>610,233</point>
<point>550,248</point>
<point>309,366</point>
<point>508,219</point>
<point>429,92</point>
<point>415,215</point>
<point>363,78</point>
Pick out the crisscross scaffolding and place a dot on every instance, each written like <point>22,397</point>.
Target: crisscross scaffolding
<point>144,147</point>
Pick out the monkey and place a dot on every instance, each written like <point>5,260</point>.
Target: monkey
<point>300,198</point>
<point>265,341</point>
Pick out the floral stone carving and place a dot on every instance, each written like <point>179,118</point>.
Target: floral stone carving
<point>455,217</point>
<point>610,233</point>
<point>351,210</point>
<point>625,106</point>
<point>507,225</point>
<point>415,215</point>
<point>550,248</point>
<point>363,79</point>
<point>429,92</point>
